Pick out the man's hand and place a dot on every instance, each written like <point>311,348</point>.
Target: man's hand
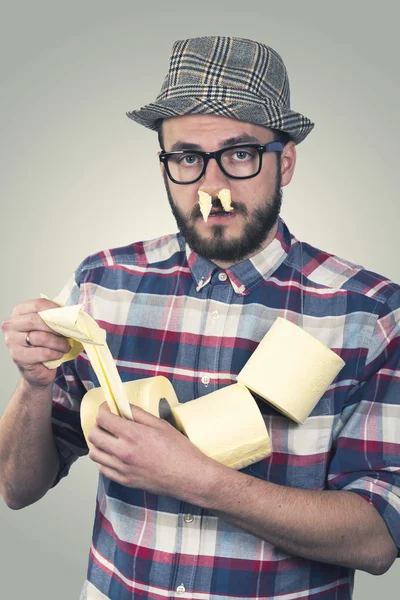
<point>147,453</point>
<point>29,458</point>
<point>45,344</point>
<point>335,527</point>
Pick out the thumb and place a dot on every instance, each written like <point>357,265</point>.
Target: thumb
<point>144,417</point>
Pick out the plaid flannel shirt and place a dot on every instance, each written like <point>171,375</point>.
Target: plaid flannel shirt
<point>170,312</point>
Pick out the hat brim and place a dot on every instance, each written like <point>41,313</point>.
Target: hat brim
<point>259,113</point>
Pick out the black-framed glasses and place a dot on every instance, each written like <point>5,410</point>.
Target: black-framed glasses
<point>237,162</point>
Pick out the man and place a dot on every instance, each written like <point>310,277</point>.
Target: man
<point>171,522</point>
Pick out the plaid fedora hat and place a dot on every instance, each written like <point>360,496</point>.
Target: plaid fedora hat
<point>227,76</point>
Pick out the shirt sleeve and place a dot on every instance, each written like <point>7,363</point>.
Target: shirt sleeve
<point>366,456</point>
<point>68,391</point>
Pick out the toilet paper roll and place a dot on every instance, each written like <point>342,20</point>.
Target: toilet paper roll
<point>154,394</point>
<point>290,369</point>
<point>226,425</point>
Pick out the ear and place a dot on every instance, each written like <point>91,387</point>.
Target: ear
<point>288,162</point>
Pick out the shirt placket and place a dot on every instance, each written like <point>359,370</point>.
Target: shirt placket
<point>189,549</point>
<point>219,296</point>
<point>209,364</point>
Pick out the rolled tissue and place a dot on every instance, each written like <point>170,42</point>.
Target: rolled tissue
<point>290,369</point>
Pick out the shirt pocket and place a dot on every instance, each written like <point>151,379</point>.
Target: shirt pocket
<point>300,453</point>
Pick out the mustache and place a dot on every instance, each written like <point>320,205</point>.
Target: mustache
<point>239,207</point>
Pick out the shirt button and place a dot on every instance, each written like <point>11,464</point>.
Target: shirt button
<point>215,314</point>
<point>188,518</point>
<point>222,276</point>
<point>242,289</point>
<point>205,379</point>
<point>181,589</point>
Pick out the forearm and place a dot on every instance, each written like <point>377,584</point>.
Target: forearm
<point>327,526</point>
<point>28,456</point>
<point>332,527</point>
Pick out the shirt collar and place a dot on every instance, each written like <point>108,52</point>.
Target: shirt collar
<point>247,275</point>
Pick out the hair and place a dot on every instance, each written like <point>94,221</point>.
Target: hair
<point>278,135</point>
<point>160,135</point>
<point>282,136</point>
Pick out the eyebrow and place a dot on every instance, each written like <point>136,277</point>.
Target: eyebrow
<point>232,141</point>
<point>180,145</point>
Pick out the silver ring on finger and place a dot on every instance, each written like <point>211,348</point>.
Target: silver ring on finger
<point>28,341</point>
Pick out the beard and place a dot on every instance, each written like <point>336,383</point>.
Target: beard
<point>217,247</point>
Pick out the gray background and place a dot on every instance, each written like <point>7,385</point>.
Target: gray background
<point>78,176</point>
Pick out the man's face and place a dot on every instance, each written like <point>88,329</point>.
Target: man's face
<point>227,237</point>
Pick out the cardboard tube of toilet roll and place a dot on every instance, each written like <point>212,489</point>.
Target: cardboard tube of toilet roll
<point>290,369</point>
<point>154,394</point>
<point>226,425</point>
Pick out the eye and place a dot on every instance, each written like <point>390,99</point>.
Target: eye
<point>187,160</point>
<point>241,155</point>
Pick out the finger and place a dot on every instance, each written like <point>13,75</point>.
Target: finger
<point>104,422</point>
<point>16,342</point>
<point>25,356</point>
<point>144,417</point>
<point>44,340</point>
<point>104,458</point>
<point>26,323</point>
<point>121,427</point>
<point>33,306</point>
<point>31,322</point>
<point>112,474</point>
<point>115,426</point>
<point>104,439</point>
<point>120,450</point>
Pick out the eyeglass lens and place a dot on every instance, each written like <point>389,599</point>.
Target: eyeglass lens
<point>242,161</point>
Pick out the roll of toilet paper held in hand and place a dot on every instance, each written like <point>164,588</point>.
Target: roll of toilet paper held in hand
<point>154,394</point>
<point>226,425</point>
<point>290,369</point>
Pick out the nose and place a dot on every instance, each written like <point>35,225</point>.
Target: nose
<point>213,179</point>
